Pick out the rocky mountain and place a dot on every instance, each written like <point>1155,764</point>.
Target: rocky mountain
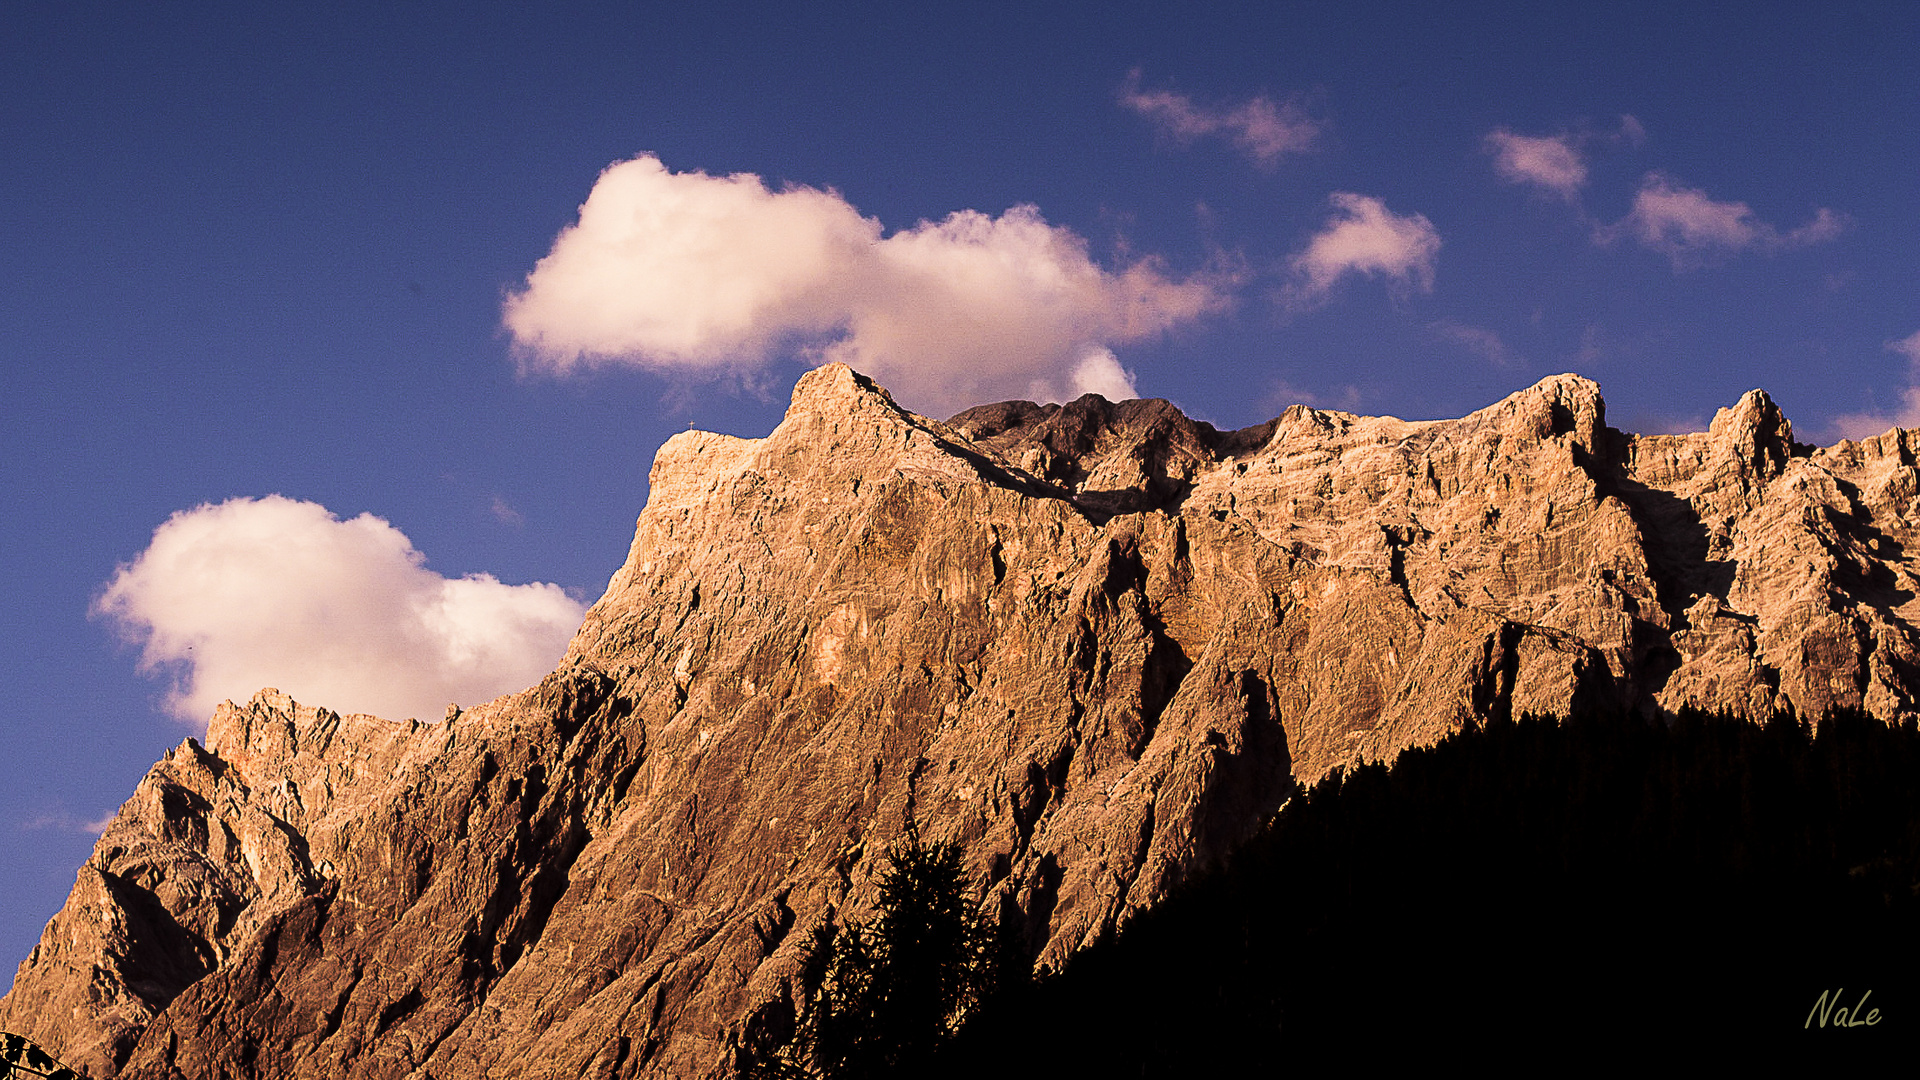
<point>1094,642</point>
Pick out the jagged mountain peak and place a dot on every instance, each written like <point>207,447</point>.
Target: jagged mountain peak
<point>1096,642</point>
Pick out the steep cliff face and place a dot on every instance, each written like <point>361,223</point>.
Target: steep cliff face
<point>1094,642</point>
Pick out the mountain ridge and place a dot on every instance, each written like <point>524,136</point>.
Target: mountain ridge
<point>1095,642</point>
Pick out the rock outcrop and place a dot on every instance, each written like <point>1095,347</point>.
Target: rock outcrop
<point>1094,642</point>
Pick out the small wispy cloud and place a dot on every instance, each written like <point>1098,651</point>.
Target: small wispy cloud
<point>1592,347</point>
<point>1264,129</point>
<point>1551,163</point>
<point>1693,229</point>
<point>1555,164</point>
<point>1280,393</point>
<point>1871,422</point>
<point>1363,237</point>
<point>503,512</point>
<point>1484,343</point>
<point>1908,347</point>
<point>1688,226</point>
<point>62,821</point>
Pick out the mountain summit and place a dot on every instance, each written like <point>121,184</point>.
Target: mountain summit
<point>1094,642</point>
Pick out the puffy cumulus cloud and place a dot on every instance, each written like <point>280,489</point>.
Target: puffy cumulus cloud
<point>1099,372</point>
<point>248,593</point>
<point>685,271</point>
<point>1364,237</point>
<point>1692,229</point>
<point>975,308</point>
<point>1862,425</point>
<point>1552,163</point>
<point>1265,129</point>
<point>691,273</point>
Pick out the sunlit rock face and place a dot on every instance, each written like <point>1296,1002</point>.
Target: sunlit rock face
<point>1096,643</point>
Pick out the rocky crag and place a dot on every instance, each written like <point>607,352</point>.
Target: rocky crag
<point>1094,642</point>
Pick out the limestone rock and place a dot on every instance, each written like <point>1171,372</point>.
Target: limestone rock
<point>1095,642</point>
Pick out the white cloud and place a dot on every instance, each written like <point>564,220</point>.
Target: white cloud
<point>1265,129</point>
<point>1691,228</point>
<point>1862,425</point>
<point>249,593</point>
<point>690,273</point>
<point>1099,372</point>
<point>1364,237</point>
<point>1551,162</point>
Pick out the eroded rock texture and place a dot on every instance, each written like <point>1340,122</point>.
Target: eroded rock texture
<point>1094,642</point>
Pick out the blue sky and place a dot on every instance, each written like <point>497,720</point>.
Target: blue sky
<point>259,253</point>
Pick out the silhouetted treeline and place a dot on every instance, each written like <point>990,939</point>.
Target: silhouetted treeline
<point>1603,887</point>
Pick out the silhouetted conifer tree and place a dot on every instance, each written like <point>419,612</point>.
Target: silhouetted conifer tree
<point>895,989</point>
